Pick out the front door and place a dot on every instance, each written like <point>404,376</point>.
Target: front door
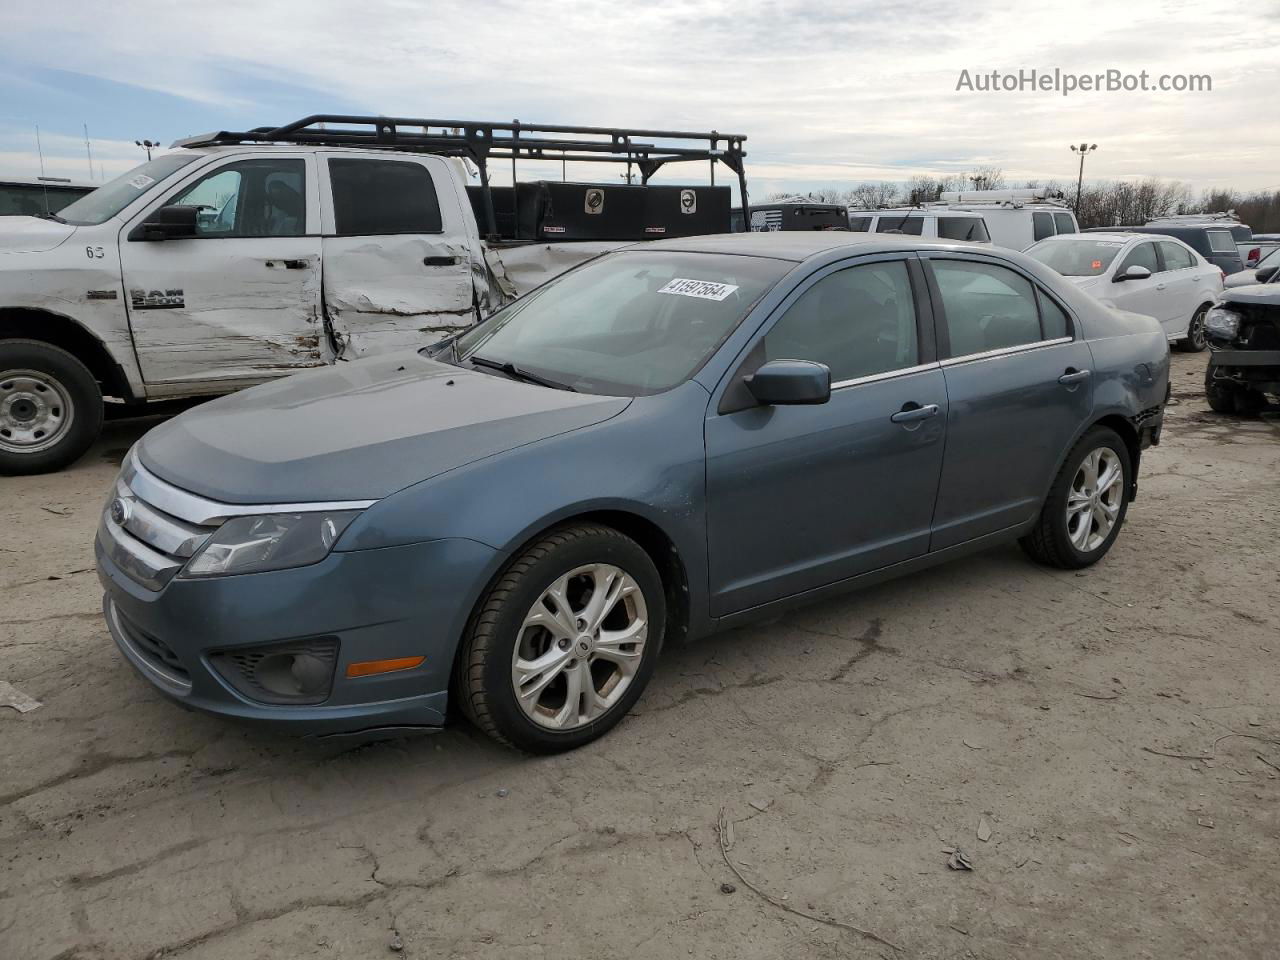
<point>240,301</point>
<point>803,496</point>
<point>1019,389</point>
<point>1149,295</point>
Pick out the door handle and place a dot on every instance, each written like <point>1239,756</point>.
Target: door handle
<point>912,412</point>
<point>290,264</point>
<point>439,261</point>
<point>1160,286</point>
<point>1073,376</point>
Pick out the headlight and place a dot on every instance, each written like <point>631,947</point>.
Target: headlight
<point>273,542</point>
<point>1222,323</point>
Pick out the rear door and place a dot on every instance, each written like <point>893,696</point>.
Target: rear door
<point>1182,276</point>
<point>1018,380</point>
<point>397,252</point>
<point>239,302</point>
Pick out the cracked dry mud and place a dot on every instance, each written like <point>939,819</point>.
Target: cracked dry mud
<point>875,731</point>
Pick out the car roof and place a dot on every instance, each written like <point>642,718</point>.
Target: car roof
<point>798,245</point>
<point>1128,233</point>
<point>915,212</point>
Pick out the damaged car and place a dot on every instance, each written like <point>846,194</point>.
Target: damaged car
<point>1243,329</point>
<point>670,440</point>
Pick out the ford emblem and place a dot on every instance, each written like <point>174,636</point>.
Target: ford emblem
<point>120,511</point>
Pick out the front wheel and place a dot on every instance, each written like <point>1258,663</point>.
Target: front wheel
<point>1086,506</point>
<point>564,642</point>
<point>50,407</point>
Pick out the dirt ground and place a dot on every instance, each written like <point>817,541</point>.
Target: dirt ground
<point>850,745</point>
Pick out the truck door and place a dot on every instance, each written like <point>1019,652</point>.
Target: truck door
<point>397,251</point>
<point>240,301</point>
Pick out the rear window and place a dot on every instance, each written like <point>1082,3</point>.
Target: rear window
<point>35,200</point>
<point>1041,225</point>
<point>1221,241</point>
<point>378,197</point>
<point>1064,222</point>
<point>859,224</point>
<point>973,229</point>
<point>898,223</point>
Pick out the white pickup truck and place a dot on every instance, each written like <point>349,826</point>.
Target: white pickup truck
<point>240,257</point>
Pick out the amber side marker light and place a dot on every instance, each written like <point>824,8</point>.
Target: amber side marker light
<point>369,668</point>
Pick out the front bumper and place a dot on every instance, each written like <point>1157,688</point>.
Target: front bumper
<point>403,601</point>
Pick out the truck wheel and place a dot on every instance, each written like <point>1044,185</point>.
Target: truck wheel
<point>1086,506</point>
<point>1195,341</point>
<point>564,642</point>
<point>1221,395</point>
<point>50,407</point>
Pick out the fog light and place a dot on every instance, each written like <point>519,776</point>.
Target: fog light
<point>299,673</point>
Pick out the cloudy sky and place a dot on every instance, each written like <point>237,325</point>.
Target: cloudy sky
<point>828,93</point>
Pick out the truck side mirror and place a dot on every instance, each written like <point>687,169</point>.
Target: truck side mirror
<point>174,222</point>
<point>788,382</point>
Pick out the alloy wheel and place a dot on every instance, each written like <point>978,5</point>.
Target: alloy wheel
<point>1095,498</point>
<point>579,647</point>
<point>1195,332</point>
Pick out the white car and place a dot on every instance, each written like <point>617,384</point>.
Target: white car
<point>1269,261</point>
<point>922,222</point>
<point>1015,218</point>
<point>1142,273</point>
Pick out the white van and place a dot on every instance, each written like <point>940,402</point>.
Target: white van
<point>921,222</point>
<point>1015,218</point>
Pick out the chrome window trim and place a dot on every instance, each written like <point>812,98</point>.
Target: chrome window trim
<point>204,512</point>
<point>1006,351</point>
<point>886,375</point>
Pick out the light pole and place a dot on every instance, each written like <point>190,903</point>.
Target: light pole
<point>149,145</point>
<point>1082,150</point>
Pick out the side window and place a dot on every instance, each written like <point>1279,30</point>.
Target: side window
<point>859,321</point>
<point>1176,256</point>
<point>973,229</point>
<point>378,197</point>
<point>987,307</point>
<point>1053,319</point>
<point>859,224</point>
<point>250,198</point>
<point>1221,241</point>
<point>1064,223</point>
<point>1041,225</point>
<point>1143,255</point>
<point>897,223</point>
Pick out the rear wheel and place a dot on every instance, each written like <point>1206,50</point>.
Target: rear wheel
<point>1086,506</point>
<point>1196,341</point>
<point>565,641</point>
<point>50,407</point>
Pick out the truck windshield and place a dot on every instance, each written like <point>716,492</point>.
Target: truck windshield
<point>112,197</point>
<point>1076,258</point>
<point>629,324</point>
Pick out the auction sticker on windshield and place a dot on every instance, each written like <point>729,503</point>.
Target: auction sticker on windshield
<point>702,289</point>
<point>140,181</point>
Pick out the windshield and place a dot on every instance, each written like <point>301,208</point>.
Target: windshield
<point>1076,258</point>
<point>628,324</point>
<point>112,197</point>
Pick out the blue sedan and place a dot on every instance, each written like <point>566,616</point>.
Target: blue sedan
<point>667,441</point>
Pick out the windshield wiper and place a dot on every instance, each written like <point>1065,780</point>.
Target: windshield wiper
<point>516,373</point>
<point>51,216</point>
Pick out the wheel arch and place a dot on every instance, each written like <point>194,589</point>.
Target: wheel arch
<point>59,330</point>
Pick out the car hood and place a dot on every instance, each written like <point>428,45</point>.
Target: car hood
<point>1259,293</point>
<point>358,431</point>
<point>32,234</point>
<point>1241,279</point>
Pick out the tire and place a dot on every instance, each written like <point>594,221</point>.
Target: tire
<point>1195,341</point>
<point>1221,396</point>
<point>574,563</point>
<point>1060,539</point>
<point>50,408</point>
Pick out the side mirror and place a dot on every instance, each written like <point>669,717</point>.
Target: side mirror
<point>174,222</point>
<point>1264,274</point>
<point>1135,272</point>
<point>789,382</point>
